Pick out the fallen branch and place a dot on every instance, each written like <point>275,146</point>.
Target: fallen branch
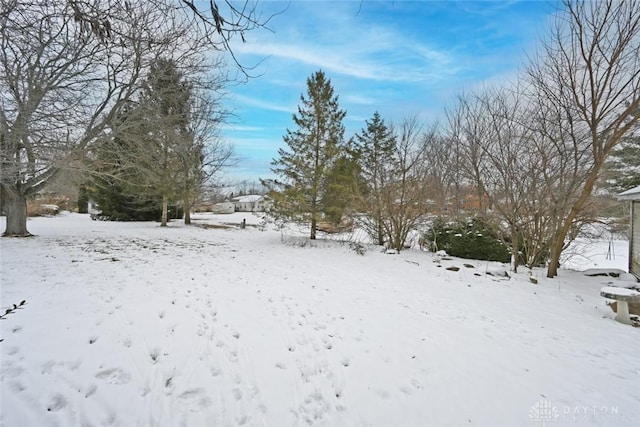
<point>10,310</point>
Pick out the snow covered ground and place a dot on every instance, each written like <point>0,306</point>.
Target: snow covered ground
<point>131,324</point>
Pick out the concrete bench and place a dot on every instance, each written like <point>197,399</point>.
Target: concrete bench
<point>623,296</point>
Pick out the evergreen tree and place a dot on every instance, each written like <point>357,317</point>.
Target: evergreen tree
<point>340,184</point>
<point>151,155</point>
<point>313,148</point>
<point>117,185</point>
<point>374,149</point>
<point>165,114</point>
<point>623,167</point>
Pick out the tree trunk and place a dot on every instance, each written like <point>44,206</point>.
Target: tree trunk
<point>380,230</point>
<point>515,251</point>
<point>558,244</point>
<point>314,213</point>
<point>556,251</point>
<point>165,209</point>
<point>314,224</point>
<point>15,208</point>
<point>187,212</point>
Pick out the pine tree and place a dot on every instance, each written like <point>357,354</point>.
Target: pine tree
<point>165,107</point>
<point>140,170</point>
<point>374,149</point>
<point>340,184</point>
<point>623,168</point>
<point>313,148</point>
<point>118,183</point>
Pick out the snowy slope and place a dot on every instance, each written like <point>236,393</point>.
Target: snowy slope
<point>130,324</point>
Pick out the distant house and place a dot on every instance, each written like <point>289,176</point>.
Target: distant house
<point>633,196</point>
<point>251,203</point>
<point>224,208</point>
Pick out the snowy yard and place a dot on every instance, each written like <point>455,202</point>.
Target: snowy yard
<point>130,324</point>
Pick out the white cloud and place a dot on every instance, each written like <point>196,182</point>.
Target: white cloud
<point>240,128</point>
<point>265,105</point>
<point>354,47</point>
<point>372,63</point>
<point>353,98</point>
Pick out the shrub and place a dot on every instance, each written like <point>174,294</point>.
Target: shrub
<point>46,205</point>
<point>466,239</point>
<point>116,203</point>
<point>358,248</point>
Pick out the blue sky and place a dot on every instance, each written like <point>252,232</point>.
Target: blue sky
<point>400,58</point>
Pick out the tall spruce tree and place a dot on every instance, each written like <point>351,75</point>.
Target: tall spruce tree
<point>144,166</point>
<point>313,148</point>
<point>374,149</point>
<point>116,184</point>
<point>165,107</point>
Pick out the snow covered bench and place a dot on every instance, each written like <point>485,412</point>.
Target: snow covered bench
<point>623,296</point>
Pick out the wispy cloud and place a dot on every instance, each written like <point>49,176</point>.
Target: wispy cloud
<point>371,64</point>
<point>262,104</point>
<point>395,57</point>
<point>240,128</point>
<point>354,98</point>
<point>338,40</point>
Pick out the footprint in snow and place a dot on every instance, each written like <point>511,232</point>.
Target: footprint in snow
<point>17,386</point>
<point>90,390</point>
<point>154,355</point>
<point>382,393</point>
<point>47,368</point>
<point>194,399</point>
<point>406,390</point>
<point>56,402</point>
<point>237,393</point>
<point>114,376</point>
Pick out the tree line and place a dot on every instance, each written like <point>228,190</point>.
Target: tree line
<point>127,94</point>
<point>525,158</point>
<point>81,81</point>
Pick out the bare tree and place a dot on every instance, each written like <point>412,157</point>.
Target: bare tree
<point>586,85</point>
<point>57,88</point>
<point>503,159</point>
<point>215,22</point>
<point>405,193</point>
<point>67,69</point>
<point>442,175</point>
<point>468,130</point>
<point>205,153</point>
